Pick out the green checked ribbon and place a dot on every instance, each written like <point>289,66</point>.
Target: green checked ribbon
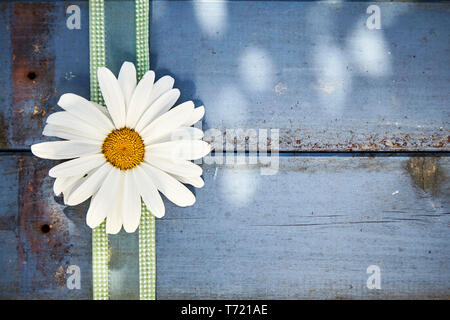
<point>100,243</point>
<point>147,258</point>
<point>100,254</point>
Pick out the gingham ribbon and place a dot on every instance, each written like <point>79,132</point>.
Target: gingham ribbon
<point>100,247</point>
<point>147,258</point>
<point>100,254</point>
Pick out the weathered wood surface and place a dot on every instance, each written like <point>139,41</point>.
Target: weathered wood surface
<point>311,69</point>
<point>39,237</point>
<point>309,231</point>
<point>41,59</point>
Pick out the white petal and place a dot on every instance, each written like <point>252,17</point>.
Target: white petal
<point>67,120</point>
<point>140,100</point>
<point>131,205</point>
<point>180,149</point>
<point>69,184</point>
<point>69,189</point>
<point>127,81</point>
<point>160,87</point>
<point>112,94</point>
<point>170,187</point>
<point>76,167</point>
<point>103,200</point>
<point>63,183</point>
<point>187,133</point>
<point>90,185</point>
<point>114,215</point>
<point>85,110</point>
<point>58,185</point>
<point>51,130</point>
<point>102,109</point>
<point>162,104</point>
<point>168,122</point>
<point>72,187</point>
<point>148,192</point>
<point>193,181</point>
<point>181,168</point>
<point>95,217</point>
<point>57,150</point>
<point>196,116</point>
<point>183,133</point>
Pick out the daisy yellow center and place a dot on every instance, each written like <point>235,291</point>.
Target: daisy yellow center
<point>124,148</point>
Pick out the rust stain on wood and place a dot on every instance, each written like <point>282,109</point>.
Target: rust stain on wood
<point>33,65</point>
<point>60,276</point>
<point>31,210</point>
<point>301,140</point>
<point>3,131</point>
<point>44,239</point>
<point>426,173</point>
<point>350,141</point>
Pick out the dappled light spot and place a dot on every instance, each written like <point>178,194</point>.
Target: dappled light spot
<point>256,69</point>
<point>232,105</point>
<point>211,16</point>
<point>368,49</point>
<point>333,80</point>
<point>239,185</point>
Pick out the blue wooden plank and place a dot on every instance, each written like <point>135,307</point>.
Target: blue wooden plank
<point>313,70</point>
<point>309,231</point>
<point>41,60</point>
<point>5,60</point>
<point>71,53</point>
<point>40,238</point>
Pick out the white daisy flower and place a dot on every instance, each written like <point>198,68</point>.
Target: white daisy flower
<point>129,150</point>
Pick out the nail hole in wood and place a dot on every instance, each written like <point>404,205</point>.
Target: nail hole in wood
<point>31,75</point>
<point>45,228</point>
